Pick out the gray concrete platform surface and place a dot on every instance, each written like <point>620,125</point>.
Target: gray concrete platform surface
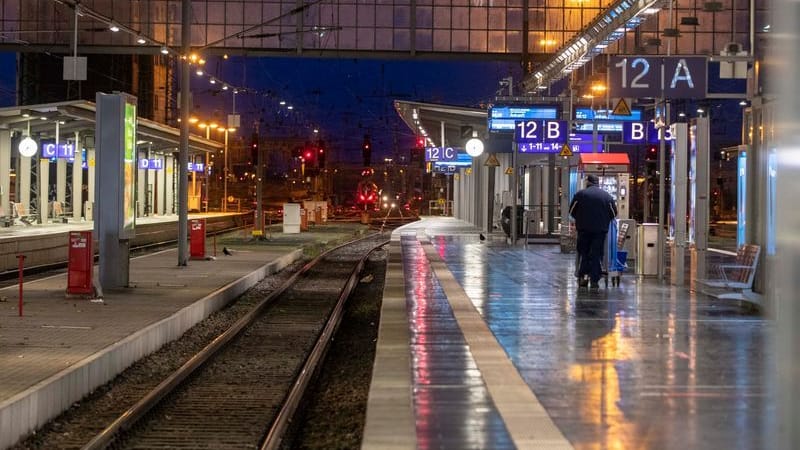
<point>62,348</point>
<point>503,351</point>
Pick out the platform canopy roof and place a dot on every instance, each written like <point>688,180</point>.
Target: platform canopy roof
<point>79,116</point>
<point>426,119</point>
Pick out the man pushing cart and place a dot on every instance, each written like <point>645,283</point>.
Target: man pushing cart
<point>594,210</point>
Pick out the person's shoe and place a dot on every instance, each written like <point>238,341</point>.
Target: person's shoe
<point>594,286</point>
<point>583,281</point>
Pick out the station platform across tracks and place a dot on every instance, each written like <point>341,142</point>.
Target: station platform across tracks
<point>62,348</point>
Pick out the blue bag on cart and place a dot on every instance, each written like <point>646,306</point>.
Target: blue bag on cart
<point>616,259</point>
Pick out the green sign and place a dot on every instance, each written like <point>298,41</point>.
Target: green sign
<point>129,168</point>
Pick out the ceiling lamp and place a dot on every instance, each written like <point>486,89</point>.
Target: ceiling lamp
<point>690,21</point>
<point>653,42</point>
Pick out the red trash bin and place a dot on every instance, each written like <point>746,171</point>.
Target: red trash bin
<point>80,263</point>
<point>197,238</point>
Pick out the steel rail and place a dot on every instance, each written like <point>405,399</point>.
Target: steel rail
<point>279,426</point>
<point>128,419</point>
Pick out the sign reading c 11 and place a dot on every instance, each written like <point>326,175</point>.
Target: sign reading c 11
<point>654,76</point>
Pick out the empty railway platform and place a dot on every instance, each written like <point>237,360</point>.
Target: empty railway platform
<point>487,346</point>
<point>482,345</point>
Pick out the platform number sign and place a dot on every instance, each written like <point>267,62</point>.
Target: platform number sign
<point>654,76</point>
<point>441,154</point>
<point>545,131</point>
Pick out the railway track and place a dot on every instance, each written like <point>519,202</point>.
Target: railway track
<point>241,390</point>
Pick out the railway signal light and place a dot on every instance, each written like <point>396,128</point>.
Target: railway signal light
<point>366,151</point>
<point>254,149</point>
<point>321,154</point>
<point>652,153</point>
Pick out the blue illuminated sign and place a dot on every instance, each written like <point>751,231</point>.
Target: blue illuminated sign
<point>502,118</point>
<point>544,131</point>
<point>578,143</point>
<point>462,160</point>
<point>584,113</point>
<point>64,150</point>
<point>643,132</point>
<point>196,167</point>
<point>152,164</point>
<point>657,76</point>
<point>433,154</point>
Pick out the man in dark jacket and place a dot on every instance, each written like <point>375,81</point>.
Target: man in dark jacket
<point>593,209</point>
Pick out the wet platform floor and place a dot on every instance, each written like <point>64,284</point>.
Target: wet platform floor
<point>641,366</point>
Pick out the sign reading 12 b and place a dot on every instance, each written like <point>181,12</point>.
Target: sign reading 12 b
<point>545,131</point>
<point>654,76</point>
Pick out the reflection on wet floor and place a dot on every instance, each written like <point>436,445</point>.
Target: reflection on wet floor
<point>642,365</point>
<point>452,405</point>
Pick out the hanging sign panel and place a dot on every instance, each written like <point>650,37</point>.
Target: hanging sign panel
<point>443,154</point>
<point>654,76</point>
<point>644,133</point>
<point>540,131</point>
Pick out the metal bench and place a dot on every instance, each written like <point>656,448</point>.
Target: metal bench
<point>735,281</point>
<point>59,213</point>
<point>21,213</point>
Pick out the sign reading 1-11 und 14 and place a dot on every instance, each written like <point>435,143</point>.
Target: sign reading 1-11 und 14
<point>654,76</point>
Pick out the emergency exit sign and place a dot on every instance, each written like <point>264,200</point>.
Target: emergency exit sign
<point>654,76</point>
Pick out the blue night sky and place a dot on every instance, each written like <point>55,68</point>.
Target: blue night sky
<point>344,98</point>
<point>348,98</point>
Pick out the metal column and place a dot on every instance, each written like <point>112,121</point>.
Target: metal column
<point>700,191</point>
<point>77,180</point>
<point>5,172</point>
<point>678,203</point>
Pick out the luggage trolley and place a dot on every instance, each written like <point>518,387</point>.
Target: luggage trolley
<point>615,258</point>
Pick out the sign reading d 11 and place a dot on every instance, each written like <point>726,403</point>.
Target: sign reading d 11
<point>540,131</point>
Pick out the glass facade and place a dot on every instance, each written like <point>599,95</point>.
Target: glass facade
<point>492,27</point>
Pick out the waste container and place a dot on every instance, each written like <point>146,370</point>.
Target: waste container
<point>647,257</point>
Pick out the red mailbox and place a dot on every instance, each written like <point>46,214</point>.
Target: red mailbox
<point>197,238</point>
<point>80,263</point>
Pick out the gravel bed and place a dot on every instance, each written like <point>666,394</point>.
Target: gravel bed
<point>336,408</point>
<point>76,426</point>
<point>334,421</point>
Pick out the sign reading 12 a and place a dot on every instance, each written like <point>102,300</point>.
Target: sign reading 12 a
<point>654,76</point>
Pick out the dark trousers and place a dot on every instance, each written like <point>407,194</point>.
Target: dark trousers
<point>590,248</point>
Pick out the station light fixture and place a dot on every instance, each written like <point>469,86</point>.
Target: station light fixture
<point>141,41</point>
<point>164,51</point>
<point>113,27</point>
<point>618,18</point>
